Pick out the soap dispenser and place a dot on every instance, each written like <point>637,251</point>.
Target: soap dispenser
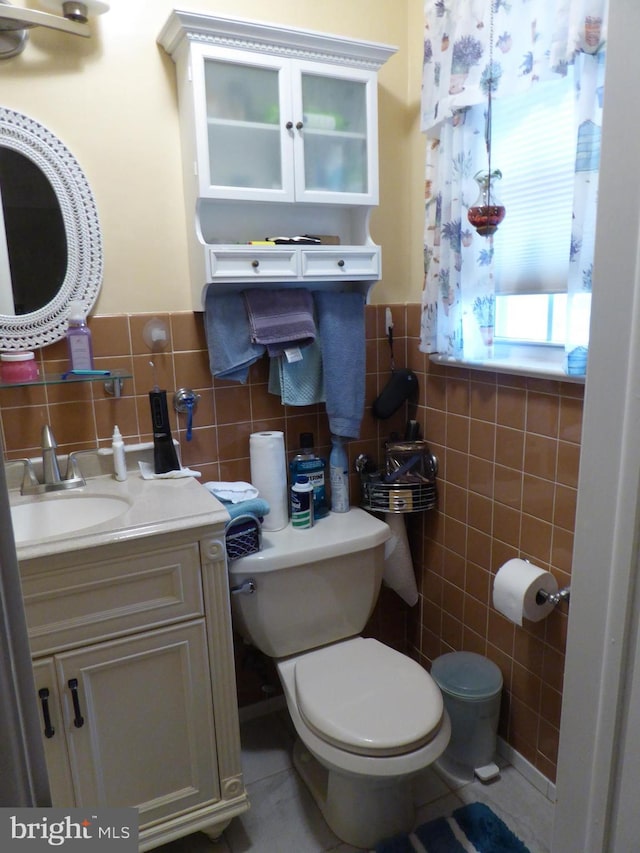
<point>119,458</point>
<point>79,342</point>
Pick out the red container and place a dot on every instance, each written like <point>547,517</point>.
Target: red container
<point>16,367</point>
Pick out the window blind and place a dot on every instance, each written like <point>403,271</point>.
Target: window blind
<point>533,145</point>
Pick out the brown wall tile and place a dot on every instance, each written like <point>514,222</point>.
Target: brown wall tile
<point>508,449</point>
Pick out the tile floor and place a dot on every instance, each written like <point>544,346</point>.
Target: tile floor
<point>284,819</point>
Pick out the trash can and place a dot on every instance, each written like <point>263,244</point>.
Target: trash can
<point>471,687</point>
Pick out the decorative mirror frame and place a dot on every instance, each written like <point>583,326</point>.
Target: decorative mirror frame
<point>82,228</point>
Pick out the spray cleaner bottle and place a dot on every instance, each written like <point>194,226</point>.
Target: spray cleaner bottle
<point>339,468</point>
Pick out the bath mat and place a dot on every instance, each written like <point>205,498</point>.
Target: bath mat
<point>470,829</point>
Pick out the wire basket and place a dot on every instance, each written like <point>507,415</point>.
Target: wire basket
<point>400,497</point>
<point>408,483</point>
<point>243,536</point>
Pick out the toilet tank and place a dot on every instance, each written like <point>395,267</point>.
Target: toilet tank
<point>312,587</point>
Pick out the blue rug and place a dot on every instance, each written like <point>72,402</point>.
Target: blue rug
<point>470,829</point>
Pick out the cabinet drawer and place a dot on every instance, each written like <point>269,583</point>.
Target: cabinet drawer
<point>253,265</point>
<point>89,601</point>
<point>336,263</point>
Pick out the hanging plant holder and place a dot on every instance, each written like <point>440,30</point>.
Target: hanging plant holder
<point>486,213</point>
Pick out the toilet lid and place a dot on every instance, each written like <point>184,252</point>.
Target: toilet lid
<point>366,698</point>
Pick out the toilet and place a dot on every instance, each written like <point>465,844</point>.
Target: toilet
<point>369,719</point>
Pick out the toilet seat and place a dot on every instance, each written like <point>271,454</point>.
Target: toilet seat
<point>365,698</point>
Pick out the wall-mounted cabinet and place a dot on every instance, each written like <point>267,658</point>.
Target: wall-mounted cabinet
<point>279,133</point>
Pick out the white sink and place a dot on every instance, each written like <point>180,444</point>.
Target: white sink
<point>47,516</point>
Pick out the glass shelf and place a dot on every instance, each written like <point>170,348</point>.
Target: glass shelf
<point>113,381</point>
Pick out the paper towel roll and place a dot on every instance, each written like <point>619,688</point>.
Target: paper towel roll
<point>269,476</point>
<point>398,570</point>
<point>515,587</point>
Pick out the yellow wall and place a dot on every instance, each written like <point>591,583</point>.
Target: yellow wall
<point>112,101</point>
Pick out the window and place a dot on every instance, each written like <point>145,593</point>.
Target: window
<point>532,317</point>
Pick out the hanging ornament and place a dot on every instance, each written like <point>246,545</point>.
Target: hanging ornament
<point>486,213</point>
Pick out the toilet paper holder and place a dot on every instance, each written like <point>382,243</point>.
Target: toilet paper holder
<point>542,596</point>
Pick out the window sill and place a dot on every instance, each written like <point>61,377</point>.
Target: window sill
<point>539,362</point>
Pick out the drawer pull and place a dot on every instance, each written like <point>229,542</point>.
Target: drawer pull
<point>78,719</point>
<point>43,693</point>
<point>299,125</point>
<point>341,262</point>
<point>289,125</point>
<point>255,264</point>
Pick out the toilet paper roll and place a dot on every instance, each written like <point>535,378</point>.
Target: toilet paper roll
<point>515,587</point>
<point>269,476</point>
<point>398,570</point>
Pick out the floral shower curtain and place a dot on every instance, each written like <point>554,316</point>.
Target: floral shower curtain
<point>524,43</point>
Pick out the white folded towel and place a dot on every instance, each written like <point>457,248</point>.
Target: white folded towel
<point>232,492</point>
<point>398,572</point>
<point>146,469</point>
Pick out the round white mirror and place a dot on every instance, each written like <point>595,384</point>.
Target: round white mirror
<point>50,241</point>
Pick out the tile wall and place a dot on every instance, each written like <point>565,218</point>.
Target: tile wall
<point>508,451</point>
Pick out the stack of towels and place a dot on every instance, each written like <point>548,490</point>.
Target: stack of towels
<point>316,344</point>
<point>239,499</point>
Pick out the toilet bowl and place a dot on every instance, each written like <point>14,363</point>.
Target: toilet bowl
<point>367,725</point>
<point>368,718</point>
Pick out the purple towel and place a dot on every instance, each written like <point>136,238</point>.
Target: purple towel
<point>280,318</point>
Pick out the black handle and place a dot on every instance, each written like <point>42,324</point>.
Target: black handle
<point>43,693</point>
<point>340,263</point>
<point>299,125</point>
<point>78,719</point>
<point>289,125</point>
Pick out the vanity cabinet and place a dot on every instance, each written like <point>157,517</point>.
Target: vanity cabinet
<point>134,671</point>
<point>279,134</point>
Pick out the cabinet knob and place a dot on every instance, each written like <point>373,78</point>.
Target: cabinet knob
<point>43,693</point>
<point>289,125</point>
<point>299,125</point>
<point>255,264</point>
<point>340,263</point>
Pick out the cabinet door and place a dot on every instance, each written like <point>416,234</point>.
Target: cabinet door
<point>53,734</point>
<point>139,722</point>
<point>242,105</point>
<point>336,147</point>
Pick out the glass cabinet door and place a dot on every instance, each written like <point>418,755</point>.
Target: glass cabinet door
<point>336,134</point>
<point>273,129</point>
<point>244,139</point>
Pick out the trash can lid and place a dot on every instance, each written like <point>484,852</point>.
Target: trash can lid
<point>467,674</point>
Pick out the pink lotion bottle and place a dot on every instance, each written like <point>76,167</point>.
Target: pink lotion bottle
<point>79,339</point>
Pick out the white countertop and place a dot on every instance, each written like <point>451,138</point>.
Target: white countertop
<point>155,507</point>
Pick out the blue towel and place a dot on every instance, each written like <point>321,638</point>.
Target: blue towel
<point>254,506</point>
<point>280,318</point>
<point>298,383</point>
<point>342,341</point>
<point>231,351</point>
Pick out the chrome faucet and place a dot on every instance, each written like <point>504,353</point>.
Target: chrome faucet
<point>50,467</point>
<point>52,481</point>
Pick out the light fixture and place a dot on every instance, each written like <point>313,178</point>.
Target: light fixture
<point>71,18</point>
